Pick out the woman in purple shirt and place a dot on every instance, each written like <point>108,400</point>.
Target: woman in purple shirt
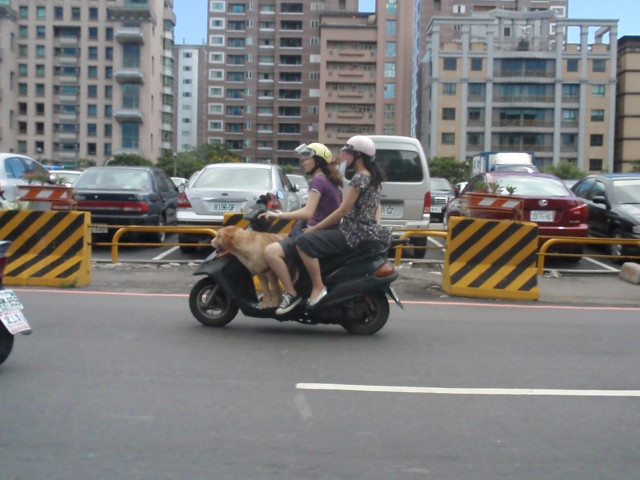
<point>325,185</point>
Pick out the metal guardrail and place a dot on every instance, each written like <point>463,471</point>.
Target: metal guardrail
<point>543,253</point>
<point>122,229</point>
<point>415,233</point>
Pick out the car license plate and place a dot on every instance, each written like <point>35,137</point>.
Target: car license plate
<point>542,215</point>
<point>391,210</point>
<point>222,207</point>
<point>435,209</point>
<point>99,229</point>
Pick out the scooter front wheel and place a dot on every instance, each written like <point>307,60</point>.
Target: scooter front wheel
<point>210,304</point>
<point>6,343</point>
<point>369,315</point>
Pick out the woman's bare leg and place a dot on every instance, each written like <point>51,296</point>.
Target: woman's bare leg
<point>274,256</point>
<point>313,267</point>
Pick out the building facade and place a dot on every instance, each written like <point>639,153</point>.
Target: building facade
<point>86,80</point>
<point>190,90</point>
<point>425,11</point>
<point>627,149</point>
<point>514,82</point>
<point>365,67</point>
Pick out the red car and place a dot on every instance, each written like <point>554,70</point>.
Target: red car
<point>545,199</point>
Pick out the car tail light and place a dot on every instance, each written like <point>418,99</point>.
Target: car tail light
<point>183,200</point>
<point>140,207</point>
<point>579,213</point>
<point>273,203</point>
<point>427,203</point>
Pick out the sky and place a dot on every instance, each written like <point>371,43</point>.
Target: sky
<point>191,23</point>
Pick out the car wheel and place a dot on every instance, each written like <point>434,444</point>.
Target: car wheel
<point>418,242</point>
<point>616,250</point>
<point>186,248</point>
<point>158,237</point>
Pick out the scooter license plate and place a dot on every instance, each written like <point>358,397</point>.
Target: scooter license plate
<point>11,314</point>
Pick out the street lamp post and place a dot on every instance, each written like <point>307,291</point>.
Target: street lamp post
<point>175,164</point>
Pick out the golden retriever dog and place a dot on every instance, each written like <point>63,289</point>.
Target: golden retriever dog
<point>248,246</point>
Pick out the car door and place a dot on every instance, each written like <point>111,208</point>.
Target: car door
<point>168,195</point>
<point>587,189</point>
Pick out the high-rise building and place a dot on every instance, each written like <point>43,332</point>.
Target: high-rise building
<point>452,31</point>
<point>190,89</point>
<point>86,80</point>
<point>365,72</point>
<point>263,75</point>
<point>627,149</point>
<point>511,82</point>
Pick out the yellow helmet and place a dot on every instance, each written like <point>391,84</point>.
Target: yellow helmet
<point>315,150</point>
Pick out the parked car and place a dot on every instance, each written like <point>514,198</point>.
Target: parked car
<point>441,194</point>
<point>302,186</point>
<point>68,177</point>
<point>127,196</point>
<point>614,208</point>
<point>547,202</point>
<point>221,188</point>
<point>180,182</point>
<point>16,170</point>
<point>406,198</point>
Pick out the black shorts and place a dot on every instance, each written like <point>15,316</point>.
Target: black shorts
<point>323,243</point>
<point>288,246</point>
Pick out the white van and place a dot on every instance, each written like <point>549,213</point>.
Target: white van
<point>406,196</point>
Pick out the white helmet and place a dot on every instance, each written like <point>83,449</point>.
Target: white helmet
<point>362,144</point>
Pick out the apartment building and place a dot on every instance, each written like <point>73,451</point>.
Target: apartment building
<point>513,81</point>
<point>627,149</point>
<point>263,75</point>
<point>190,90</point>
<point>86,79</point>
<point>427,10</point>
<point>364,73</point>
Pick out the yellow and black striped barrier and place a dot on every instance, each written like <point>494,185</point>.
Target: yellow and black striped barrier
<point>491,259</point>
<point>50,248</point>
<point>238,220</point>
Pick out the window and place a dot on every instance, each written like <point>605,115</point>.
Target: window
<point>390,70</point>
<point>450,64</point>
<point>596,140</point>
<point>476,64</point>
<point>448,138</point>
<point>58,13</point>
<point>390,49</point>
<point>389,90</point>
<point>93,33</point>
<point>92,110</point>
<point>571,90</point>
<point>389,111</point>
<point>599,65</point>
<point>448,114</point>
<point>448,88</point>
<point>569,115</point>
<point>41,13</point>
<point>572,65</point>
<point>391,27</point>
<point>597,115</point>
<point>598,90</point>
<point>92,91</point>
<point>75,13</point>
<point>595,164</point>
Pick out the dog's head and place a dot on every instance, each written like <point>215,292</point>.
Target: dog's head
<point>224,239</point>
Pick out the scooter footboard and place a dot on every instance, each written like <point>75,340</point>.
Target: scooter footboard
<point>348,289</point>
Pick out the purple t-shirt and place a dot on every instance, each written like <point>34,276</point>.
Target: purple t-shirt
<point>330,199</point>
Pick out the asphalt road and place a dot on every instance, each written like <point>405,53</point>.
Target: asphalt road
<point>128,385</point>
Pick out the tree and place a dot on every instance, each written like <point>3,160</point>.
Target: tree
<point>565,170</point>
<point>186,163</point>
<point>449,168</point>
<point>129,160</point>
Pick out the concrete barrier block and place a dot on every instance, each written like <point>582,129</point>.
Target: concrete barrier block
<point>630,272</point>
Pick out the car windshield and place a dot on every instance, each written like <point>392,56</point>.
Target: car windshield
<point>627,191</point>
<point>440,184</point>
<point>113,179</point>
<point>532,186</point>
<point>241,178</point>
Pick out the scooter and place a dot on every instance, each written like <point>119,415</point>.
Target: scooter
<point>358,285</point>
<point>12,320</point>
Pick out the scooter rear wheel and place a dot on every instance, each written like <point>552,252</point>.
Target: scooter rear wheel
<point>6,343</point>
<point>210,304</point>
<point>373,317</point>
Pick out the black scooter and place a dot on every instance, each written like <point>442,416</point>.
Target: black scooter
<point>12,320</point>
<point>357,284</point>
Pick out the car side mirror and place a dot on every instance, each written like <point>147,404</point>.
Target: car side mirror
<point>600,200</point>
<point>456,191</point>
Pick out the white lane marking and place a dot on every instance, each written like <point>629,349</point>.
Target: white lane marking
<point>165,253</point>
<point>600,264</point>
<point>469,391</point>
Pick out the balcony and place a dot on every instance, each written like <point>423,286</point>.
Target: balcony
<point>68,41</point>
<point>68,79</point>
<point>128,115</point>
<point>129,35</point>
<point>67,137</point>
<point>129,75</point>
<point>125,13</point>
<point>68,116</point>
<point>67,60</point>
<point>68,98</point>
